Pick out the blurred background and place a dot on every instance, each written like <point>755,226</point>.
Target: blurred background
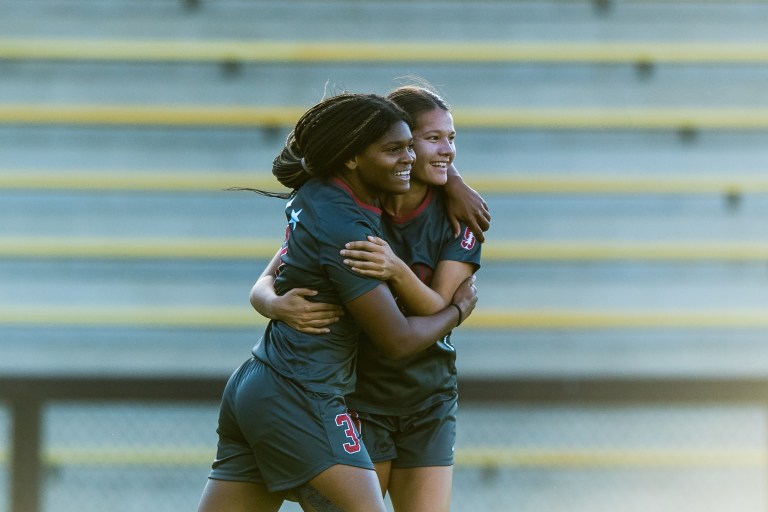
<point>618,356</point>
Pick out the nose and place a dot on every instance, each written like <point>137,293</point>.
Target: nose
<point>410,155</point>
<point>447,148</point>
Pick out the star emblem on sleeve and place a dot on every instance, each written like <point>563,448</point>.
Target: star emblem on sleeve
<point>294,218</point>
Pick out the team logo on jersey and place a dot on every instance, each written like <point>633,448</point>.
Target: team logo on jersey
<point>468,242</point>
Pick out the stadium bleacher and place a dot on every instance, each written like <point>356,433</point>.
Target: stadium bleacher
<point>620,145</point>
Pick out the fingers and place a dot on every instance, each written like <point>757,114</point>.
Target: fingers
<point>456,225</point>
<point>477,231</point>
<point>310,330</point>
<point>377,241</point>
<point>363,256</point>
<point>303,292</point>
<point>372,245</point>
<point>316,322</point>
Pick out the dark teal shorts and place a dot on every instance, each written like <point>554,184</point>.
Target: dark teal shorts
<point>274,432</point>
<point>422,439</point>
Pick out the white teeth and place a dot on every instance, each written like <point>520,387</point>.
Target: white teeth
<point>440,164</point>
<point>404,173</point>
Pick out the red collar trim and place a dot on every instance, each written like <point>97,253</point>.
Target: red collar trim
<point>416,212</point>
<point>340,183</point>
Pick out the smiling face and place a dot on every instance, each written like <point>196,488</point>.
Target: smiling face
<point>434,143</point>
<point>385,165</point>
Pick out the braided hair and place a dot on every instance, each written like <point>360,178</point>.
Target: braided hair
<point>329,134</point>
<point>332,132</point>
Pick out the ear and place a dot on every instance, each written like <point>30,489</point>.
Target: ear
<point>351,164</point>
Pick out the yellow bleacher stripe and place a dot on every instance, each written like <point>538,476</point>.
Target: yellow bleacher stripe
<point>616,183</point>
<point>136,248</point>
<point>625,251</point>
<point>134,180</point>
<point>625,319</point>
<point>234,317</point>
<point>191,50</point>
<point>470,457</point>
<point>502,182</point>
<point>133,316</point>
<point>157,115</point>
<point>498,117</point>
<point>123,248</point>
<point>512,457</point>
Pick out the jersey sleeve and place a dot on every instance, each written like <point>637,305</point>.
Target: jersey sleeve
<point>464,248</point>
<point>347,226</point>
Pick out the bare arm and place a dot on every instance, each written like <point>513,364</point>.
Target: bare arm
<point>466,205</point>
<point>398,336</point>
<point>293,308</point>
<point>375,258</point>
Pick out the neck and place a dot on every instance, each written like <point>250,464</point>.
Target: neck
<point>360,189</point>
<point>400,205</point>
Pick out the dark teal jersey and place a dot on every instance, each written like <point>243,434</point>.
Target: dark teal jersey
<point>322,217</point>
<point>386,386</point>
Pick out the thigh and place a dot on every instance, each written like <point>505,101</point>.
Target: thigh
<point>342,488</point>
<point>224,496</point>
<point>425,489</point>
<point>382,472</point>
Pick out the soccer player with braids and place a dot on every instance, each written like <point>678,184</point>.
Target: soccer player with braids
<point>407,406</point>
<point>283,423</point>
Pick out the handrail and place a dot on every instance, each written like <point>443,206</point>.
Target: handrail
<point>206,248</point>
<point>501,182</point>
<point>353,51</point>
<point>26,395</point>
<point>490,117</point>
<point>243,317</point>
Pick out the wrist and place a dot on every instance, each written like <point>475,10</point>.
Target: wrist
<point>461,316</point>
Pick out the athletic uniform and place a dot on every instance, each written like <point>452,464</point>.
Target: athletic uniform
<point>283,418</point>
<point>407,407</point>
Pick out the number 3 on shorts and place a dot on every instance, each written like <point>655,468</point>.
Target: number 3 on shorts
<point>344,420</point>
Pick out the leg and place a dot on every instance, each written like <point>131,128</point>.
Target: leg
<point>225,496</point>
<point>421,489</point>
<point>342,488</point>
<point>382,471</point>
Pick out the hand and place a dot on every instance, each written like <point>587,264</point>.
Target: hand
<point>305,316</point>
<point>467,206</point>
<point>373,258</point>
<point>466,297</point>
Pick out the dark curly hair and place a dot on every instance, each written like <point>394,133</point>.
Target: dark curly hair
<point>330,133</point>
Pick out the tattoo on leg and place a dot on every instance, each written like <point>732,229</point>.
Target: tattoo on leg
<point>312,500</point>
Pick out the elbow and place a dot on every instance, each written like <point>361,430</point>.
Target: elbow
<point>395,353</point>
<point>392,348</point>
<point>252,298</point>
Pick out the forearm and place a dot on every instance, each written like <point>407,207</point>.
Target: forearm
<point>421,332</point>
<point>262,295</point>
<point>398,336</point>
<point>417,298</point>
<point>263,291</point>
